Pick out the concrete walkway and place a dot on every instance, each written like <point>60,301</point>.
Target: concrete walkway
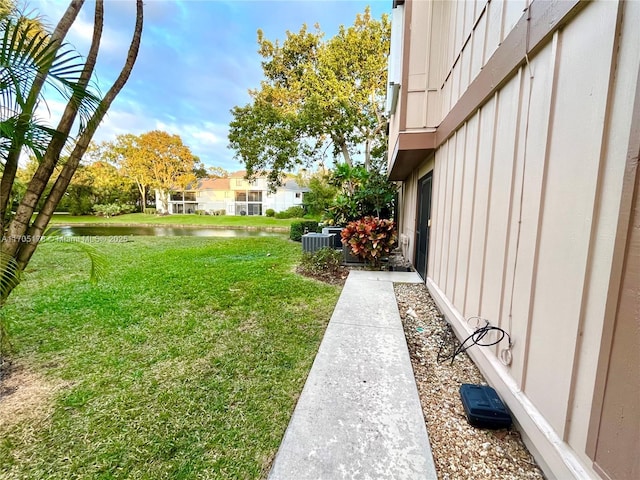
<point>359,415</point>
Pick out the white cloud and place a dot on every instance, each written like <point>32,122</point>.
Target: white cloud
<point>120,122</point>
<point>206,138</point>
<point>50,111</point>
<point>111,41</point>
<point>196,136</point>
<point>82,31</point>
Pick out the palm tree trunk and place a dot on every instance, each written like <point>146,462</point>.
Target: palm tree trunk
<point>59,188</point>
<point>11,162</point>
<point>19,225</point>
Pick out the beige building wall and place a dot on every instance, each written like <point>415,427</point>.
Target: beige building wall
<point>450,43</point>
<point>527,195</point>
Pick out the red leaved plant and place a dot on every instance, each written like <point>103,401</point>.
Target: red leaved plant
<point>370,238</point>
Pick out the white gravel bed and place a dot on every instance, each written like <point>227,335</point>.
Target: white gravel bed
<point>460,450</point>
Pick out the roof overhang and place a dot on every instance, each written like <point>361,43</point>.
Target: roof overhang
<point>410,150</point>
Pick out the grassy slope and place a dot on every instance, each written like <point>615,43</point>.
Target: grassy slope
<point>199,220</point>
<point>185,363</point>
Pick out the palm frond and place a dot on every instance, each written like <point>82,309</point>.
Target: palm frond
<point>99,262</point>
<point>25,52</point>
<point>36,137</point>
<point>10,275</point>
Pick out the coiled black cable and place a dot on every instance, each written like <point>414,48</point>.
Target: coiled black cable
<point>476,338</point>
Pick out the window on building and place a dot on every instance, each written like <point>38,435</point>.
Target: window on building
<point>255,196</point>
<point>298,195</point>
<point>183,197</point>
<point>241,196</point>
<point>255,209</point>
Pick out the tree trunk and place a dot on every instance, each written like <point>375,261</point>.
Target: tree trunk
<point>61,184</point>
<point>8,178</point>
<point>345,153</point>
<point>143,195</point>
<point>142,190</point>
<point>367,154</point>
<point>164,198</point>
<point>18,227</point>
<point>11,162</point>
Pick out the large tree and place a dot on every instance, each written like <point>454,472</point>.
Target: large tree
<point>124,152</point>
<point>29,60</point>
<point>156,160</point>
<point>108,184</point>
<point>317,96</point>
<point>98,183</point>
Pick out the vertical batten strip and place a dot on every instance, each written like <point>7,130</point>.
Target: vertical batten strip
<point>556,49</point>
<point>595,217</point>
<point>494,134</point>
<point>514,164</point>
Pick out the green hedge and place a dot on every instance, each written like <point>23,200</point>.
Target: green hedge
<point>292,212</point>
<point>298,229</point>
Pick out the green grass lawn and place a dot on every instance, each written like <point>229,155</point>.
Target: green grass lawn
<point>195,220</point>
<point>185,362</point>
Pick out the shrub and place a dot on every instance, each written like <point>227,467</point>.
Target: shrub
<point>324,260</point>
<point>301,227</point>
<point>107,210</point>
<point>321,194</point>
<point>270,212</point>
<point>127,208</point>
<point>112,209</point>
<point>201,212</point>
<point>150,211</point>
<point>295,212</point>
<point>370,238</point>
<point>80,206</point>
<point>362,193</point>
<point>292,212</point>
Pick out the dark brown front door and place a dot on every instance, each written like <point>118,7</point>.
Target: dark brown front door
<point>424,216</point>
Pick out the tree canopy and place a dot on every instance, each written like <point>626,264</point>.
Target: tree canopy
<point>317,96</point>
<point>154,159</point>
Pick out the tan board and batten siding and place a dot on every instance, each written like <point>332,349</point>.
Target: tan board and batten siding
<point>527,113</point>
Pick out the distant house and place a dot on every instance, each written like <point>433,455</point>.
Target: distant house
<point>234,196</point>
<point>515,134</point>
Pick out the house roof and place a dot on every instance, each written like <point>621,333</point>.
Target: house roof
<point>213,184</point>
<point>224,184</point>
<point>291,184</point>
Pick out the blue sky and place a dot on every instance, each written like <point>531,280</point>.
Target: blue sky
<point>197,60</point>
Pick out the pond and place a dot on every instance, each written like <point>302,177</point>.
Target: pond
<point>159,231</point>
